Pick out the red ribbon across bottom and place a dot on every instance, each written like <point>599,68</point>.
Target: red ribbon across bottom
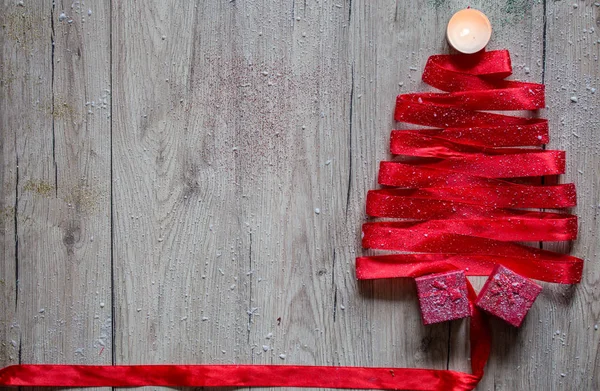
<point>236,376</point>
<point>264,375</point>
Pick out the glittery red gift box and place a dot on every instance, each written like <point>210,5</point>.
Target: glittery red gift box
<point>508,295</point>
<point>443,296</point>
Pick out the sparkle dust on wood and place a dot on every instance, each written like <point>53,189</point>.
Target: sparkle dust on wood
<point>508,295</point>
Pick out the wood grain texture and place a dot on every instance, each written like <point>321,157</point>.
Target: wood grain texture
<point>27,90</point>
<point>234,143</point>
<point>56,167</point>
<point>10,55</point>
<point>570,343</point>
<point>224,155</point>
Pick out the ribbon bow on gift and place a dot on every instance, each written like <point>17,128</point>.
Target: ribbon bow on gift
<point>442,290</point>
<point>504,286</point>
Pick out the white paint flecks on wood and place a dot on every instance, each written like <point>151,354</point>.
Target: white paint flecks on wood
<point>239,140</point>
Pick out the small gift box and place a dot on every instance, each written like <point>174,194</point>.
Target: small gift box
<point>508,295</point>
<point>443,296</point>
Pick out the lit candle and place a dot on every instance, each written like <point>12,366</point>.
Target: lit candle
<point>469,31</point>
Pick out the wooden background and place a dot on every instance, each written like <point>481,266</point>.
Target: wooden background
<point>184,182</point>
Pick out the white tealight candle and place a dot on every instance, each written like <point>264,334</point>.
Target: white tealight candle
<point>469,31</point>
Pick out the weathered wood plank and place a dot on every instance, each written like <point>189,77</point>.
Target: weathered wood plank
<point>568,341</point>
<point>26,89</point>
<point>82,152</point>
<point>59,166</point>
<point>11,41</point>
<point>297,213</point>
<point>223,171</point>
<point>180,264</point>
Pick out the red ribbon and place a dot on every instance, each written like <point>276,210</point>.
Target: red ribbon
<point>236,376</point>
<point>534,132</point>
<point>560,196</point>
<point>531,163</point>
<point>458,192</point>
<point>551,267</point>
<point>529,227</point>
<point>266,375</point>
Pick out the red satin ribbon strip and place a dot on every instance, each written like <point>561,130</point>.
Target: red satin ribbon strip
<point>453,243</point>
<point>553,197</point>
<point>448,117</point>
<point>384,203</point>
<point>399,174</point>
<point>534,133</point>
<point>561,269</point>
<point>424,209</point>
<point>530,227</point>
<point>236,376</point>
<point>534,163</point>
<point>481,71</point>
<point>518,98</point>
<point>411,143</point>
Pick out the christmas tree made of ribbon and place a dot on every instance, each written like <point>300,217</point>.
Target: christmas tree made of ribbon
<point>466,188</point>
<point>465,191</point>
